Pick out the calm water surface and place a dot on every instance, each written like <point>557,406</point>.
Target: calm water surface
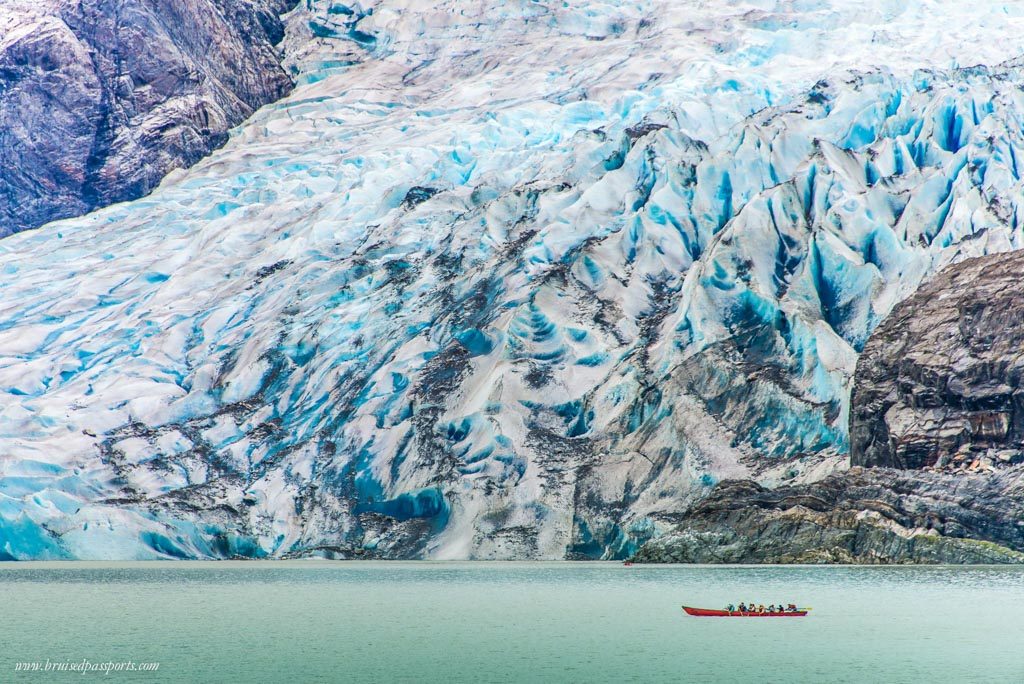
<point>510,622</point>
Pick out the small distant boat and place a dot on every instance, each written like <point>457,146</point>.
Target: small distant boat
<point>627,563</point>
<point>709,612</point>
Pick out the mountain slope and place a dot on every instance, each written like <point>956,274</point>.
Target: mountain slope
<point>501,280</point>
<point>100,99</point>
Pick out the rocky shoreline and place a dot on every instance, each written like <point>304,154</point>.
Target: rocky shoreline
<point>863,516</point>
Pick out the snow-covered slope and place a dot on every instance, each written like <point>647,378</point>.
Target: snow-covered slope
<point>502,279</point>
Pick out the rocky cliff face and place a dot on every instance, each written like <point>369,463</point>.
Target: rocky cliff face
<point>99,99</point>
<point>935,414</point>
<point>941,382</point>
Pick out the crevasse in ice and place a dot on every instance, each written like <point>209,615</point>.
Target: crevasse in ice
<point>502,279</point>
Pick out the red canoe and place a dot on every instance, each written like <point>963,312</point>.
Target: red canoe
<point>708,612</point>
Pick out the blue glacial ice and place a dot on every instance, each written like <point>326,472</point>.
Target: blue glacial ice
<point>502,279</point>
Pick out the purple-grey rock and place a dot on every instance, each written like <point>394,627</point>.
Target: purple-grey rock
<point>99,99</point>
<point>941,380</point>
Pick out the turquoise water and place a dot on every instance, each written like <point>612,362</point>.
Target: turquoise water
<point>510,622</point>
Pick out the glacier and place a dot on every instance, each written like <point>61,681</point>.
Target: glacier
<point>502,279</point>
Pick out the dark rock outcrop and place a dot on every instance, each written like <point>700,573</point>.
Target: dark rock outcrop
<point>940,380</point>
<point>936,430</point>
<point>870,516</point>
<point>99,99</point>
